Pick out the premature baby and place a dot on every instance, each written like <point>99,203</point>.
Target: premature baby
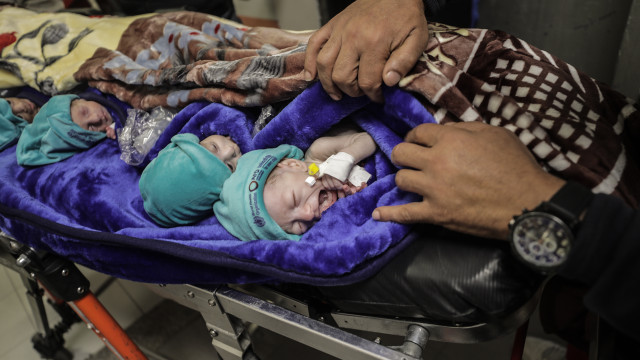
<point>223,148</point>
<point>294,203</point>
<point>197,168</point>
<point>269,197</point>
<point>23,108</point>
<point>14,117</point>
<point>65,125</point>
<point>18,107</point>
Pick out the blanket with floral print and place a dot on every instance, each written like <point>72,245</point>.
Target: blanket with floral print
<point>174,59</point>
<point>576,127</point>
<point>44,50</point>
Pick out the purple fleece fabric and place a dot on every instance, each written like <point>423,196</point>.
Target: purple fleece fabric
<point>88,208</point>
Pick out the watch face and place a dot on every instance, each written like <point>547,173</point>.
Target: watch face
<point>541,240</point>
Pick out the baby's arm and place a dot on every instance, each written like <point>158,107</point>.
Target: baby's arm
<point>360,145</point>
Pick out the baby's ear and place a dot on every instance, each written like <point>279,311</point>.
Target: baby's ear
<point>293,164</point>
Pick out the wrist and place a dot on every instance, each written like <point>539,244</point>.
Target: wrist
<point>543,237</point>
<point>541,189</point>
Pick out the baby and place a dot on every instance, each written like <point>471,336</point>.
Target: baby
<point>197,168</point>
<point>92,116</point>
<point>17,109</point>
<point>12,121</point>
<point>66,124</point>
<point>270,196</point>
<point>23,108</point>
<point>223,148</point>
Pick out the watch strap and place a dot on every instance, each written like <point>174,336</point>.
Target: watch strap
<point>568,203</point>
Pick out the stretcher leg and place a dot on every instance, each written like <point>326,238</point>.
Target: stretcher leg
<point>106,328</point>
<point>64,283</point>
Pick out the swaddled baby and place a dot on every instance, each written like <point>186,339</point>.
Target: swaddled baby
<point>180,186</point>
<point>17,109</point>
<point>66,125</point>
<point>271,195</point>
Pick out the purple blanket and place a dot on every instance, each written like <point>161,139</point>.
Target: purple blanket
<point>89,209</point>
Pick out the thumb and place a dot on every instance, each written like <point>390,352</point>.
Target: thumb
<point>405,214</point>
<point>403,59</point>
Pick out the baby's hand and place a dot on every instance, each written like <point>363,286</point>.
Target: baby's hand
<point>354,189</point>
<point>111,132</point>
<point>331,183</point>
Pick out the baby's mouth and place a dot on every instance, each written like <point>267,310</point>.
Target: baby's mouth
<point>326,199</point>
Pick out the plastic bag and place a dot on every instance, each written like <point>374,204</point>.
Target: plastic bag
<point>140,133</point>
<point>267,113</point>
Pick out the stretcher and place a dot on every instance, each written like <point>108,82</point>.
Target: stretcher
<point>349,274</point>
<point>325,318</point>
<point>424,283</point>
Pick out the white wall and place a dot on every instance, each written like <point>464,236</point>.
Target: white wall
<point>290,14</point>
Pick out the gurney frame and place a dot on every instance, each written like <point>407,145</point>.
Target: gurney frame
<point>230,310</point>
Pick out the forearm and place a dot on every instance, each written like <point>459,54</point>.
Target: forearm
<point>605,257</point>
<point>360,145</point>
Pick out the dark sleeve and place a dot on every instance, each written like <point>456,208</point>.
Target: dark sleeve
<point>431,7</point>
<point>606,257</point>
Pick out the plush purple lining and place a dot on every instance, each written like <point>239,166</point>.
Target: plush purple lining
<point>88,208</point>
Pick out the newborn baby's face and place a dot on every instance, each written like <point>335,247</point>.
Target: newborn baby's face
<point>23,108</point>
<point>224,149</point>
<point>293,204</point>
<point>92,116</point>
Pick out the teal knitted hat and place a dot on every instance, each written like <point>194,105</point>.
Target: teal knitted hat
<point>182,183</point>
<point>53,136</point>
<point>11,126</point>
<point>241,208</point>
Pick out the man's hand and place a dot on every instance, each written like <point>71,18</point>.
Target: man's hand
<point>369,42</point>
<point>473,178</point>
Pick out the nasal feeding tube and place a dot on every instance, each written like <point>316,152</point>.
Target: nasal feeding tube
<point>341,166</point>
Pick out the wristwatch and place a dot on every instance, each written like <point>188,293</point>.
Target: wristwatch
<point>542,238</point>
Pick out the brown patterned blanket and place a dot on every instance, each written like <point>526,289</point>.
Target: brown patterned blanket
<point>576,127</point>
<point>174,59</point>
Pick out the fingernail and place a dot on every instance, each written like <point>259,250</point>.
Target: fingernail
<point>393,78</point>
<point>335,97</point>
<point>307,76</point>
<point>376,215</point>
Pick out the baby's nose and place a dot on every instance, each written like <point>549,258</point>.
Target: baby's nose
<point>96,118</point>
<point>226,152</point>
<point>314,214</point>
<point>18,107</point>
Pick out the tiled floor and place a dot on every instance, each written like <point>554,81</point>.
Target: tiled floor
<point>131,302</point>
<point>126,300</point>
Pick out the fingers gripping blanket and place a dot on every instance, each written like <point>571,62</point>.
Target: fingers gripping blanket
<point>575,127</point>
